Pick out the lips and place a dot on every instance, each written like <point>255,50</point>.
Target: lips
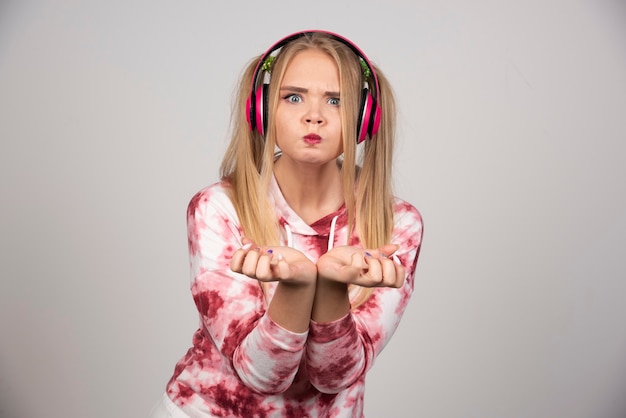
<point>312,139</point>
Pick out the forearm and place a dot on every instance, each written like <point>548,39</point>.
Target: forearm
<point>270,356</point>
<point>331,301</point>
<point>291,306</point>
<point>335,353</point>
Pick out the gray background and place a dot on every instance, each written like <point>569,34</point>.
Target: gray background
<point>512,145</point>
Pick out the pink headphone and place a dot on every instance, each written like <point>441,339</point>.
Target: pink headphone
<point>368,121</point>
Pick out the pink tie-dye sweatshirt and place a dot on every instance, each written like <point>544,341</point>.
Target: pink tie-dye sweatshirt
<point>242,364</point>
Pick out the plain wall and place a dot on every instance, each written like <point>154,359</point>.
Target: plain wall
<point>512,143</point>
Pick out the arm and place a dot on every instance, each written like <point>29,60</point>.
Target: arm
<point>290,306</point>
<point>340,351</point>
<point>352,265</point>
<point>232,306</point>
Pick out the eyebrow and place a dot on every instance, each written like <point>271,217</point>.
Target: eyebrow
<point>303,90</point>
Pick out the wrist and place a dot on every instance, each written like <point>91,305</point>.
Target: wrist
<point>331,300</point>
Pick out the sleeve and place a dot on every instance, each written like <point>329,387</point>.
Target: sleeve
<point>232,310</point>
<point>340,352</point>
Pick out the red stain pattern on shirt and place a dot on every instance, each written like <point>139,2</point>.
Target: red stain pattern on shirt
<point>241,363</point>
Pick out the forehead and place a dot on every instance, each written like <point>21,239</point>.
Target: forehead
<point>311,65</point>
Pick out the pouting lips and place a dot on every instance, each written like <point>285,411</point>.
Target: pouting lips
<point>312,139</point>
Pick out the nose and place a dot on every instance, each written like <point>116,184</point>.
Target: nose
<point>314,120</point>
<point>314,115</point>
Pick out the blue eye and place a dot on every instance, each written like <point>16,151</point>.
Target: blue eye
<point>334,101</point>
<point>293,98</point>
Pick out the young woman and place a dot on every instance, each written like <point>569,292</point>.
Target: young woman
<point>302,260</point>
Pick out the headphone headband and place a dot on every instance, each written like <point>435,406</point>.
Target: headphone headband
<point>369,117</point>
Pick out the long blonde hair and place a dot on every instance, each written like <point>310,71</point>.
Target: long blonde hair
<point>366,169</point>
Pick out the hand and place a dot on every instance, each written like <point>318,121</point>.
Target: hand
<point>367,268</point>
<point>271,264</point>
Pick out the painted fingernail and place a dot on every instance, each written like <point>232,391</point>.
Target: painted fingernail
<point>368,254</point>
<point>270,251</point>
<point>248,245</point>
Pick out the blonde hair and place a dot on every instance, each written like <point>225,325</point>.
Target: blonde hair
<point>249,159</point>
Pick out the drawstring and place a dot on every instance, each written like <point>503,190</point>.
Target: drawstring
<point>289,235</point>
<point>331,236</point>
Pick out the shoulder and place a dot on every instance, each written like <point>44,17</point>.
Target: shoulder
<point>403,210</point>
<point>406,217</point>
<point>213,198</point>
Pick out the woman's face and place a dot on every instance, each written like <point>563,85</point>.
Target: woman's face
<point>308,117</point>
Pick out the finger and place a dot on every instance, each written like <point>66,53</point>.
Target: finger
<point>264,268</point>
<point>282,268</point>
<point>273,257</point>
<point>374,274</point>
<point>375,253</point>
<point>388,249</point>
<point>360,261</point>
<point>400,274</point>
<point>249,263</point>
<point>236,262</point>
<point>388,272</point>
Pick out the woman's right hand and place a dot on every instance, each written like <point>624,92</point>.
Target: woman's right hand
<point>271,264</point>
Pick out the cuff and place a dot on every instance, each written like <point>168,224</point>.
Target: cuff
<point>281,337</point>
<point>330,331</point>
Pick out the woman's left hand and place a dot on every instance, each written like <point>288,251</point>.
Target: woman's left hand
<point>367,268</point>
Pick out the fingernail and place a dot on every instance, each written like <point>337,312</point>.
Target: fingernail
<point>270,251</point>
<point>368,254</point>
<point>280,256</point>
<point>248,245</point>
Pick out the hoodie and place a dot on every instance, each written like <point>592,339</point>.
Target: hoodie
<point>243,364</point>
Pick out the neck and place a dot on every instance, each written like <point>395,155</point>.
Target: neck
<point>312,192</point>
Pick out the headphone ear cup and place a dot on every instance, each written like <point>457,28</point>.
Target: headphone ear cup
<point>369,117</point>
<point>365,113</point>
<point>260,115</point>
<point>375,118</point>
<point>250,112</point>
